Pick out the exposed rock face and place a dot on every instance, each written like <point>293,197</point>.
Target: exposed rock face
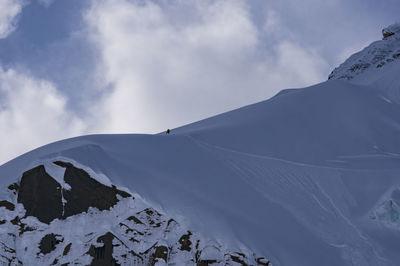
<point>391,30</point>
<point>103,255</point>
<point>134,236</point>
<point>86,192</point>
<point>387,212</point>
<point>160,254</point>
<point>8,205</point>
<point>185,241</point>
<point>48,243</point>
<point>42,196</point>
<point>132,232</point>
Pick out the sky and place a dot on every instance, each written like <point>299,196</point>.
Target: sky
<point>75,67</point>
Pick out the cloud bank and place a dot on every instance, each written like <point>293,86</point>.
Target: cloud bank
<point>162,69</point>
<point>46,3</point>
<point>32,112</point>
<point>9,11</point>
<point>160,65</point>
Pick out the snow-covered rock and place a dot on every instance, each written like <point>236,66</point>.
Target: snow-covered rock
<point>388,211</point>
<point>391,30</point>
<point>128,231</point>
<point>377,55</point>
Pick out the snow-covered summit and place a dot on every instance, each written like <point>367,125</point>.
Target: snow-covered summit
<point>370,60</point>
<point>376,66</point>
<point>391,30</point>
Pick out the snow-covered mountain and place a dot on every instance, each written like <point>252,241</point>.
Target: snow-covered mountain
<point>308,177</point>
<point>377,65</point>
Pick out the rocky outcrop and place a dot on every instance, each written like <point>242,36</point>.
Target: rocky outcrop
<point>41,195</point>
<point>377,55</point>
<point>86,192</point>
<point>48,243</point>
<point>103,253</point>
<point>44,198</point>
<point>387,212</point>
<point>119,230</point>
<point>123,235</point>
<point>6,204</point>
<point>391,30</point>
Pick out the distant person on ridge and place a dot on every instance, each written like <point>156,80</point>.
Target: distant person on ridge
<point>168,131</point>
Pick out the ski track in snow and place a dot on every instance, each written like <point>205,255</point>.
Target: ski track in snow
<point>212,146</point>
<point>333,209</point>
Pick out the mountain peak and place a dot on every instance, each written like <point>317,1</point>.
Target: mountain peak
<point>391,30</point>
<point>372,59</point>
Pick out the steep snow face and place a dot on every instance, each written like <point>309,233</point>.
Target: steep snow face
<point>289,213</point>
<point>377,65</point>
<point>335,123</point>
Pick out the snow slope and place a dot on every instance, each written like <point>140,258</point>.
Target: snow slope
<point>308,177</point>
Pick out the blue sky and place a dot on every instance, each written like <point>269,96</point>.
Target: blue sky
<point>78,67</point>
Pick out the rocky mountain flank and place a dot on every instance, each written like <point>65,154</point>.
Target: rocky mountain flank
<point>377,55</point>
<point>84,222</point>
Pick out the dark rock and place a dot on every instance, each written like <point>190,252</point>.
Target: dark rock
<point>48,243</point>
<point>15,221</point>
<point>170,224</point>
<point>14,187</point>
<point>86,192</point>
<point>161,252</point>
<point>40,194</point>
<point>381,64</point>
<point>262,261</point>
<point>387,34</point>
<point>24,228</point>
<point>205,262</point>
<point>359,66</point>
<point>67,249</point>
<point>136,220</point>
<point>121,192</point>
<point>8,205</point>
<point>150,216</point>
<point>150,212</point>
<point>239,259</point>
<point>170,221</point>
<point>185,241</point>
<point>132,239</point>
<point>5,248</point>
<point>102,256</point>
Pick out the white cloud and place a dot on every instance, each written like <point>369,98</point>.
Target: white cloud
<point>272,22</point>
<point>9,11</point>
<point>164,74</point>
<point>46,3</point>
<point>32,113</point>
